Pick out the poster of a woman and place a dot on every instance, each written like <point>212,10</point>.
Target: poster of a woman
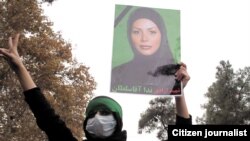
<point>146,51</point>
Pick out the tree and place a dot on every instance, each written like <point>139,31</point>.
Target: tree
<point>228,97</point>
<point>66,83</point>
<point>160,114</point>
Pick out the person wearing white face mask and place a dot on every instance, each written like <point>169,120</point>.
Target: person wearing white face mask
<point>101,126</point>
<point>103,120</point>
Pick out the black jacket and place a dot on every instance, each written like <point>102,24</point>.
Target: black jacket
<point>54,127</point>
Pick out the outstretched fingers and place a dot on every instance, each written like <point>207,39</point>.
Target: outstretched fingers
<point>13,43</point>
<point>11,54</point>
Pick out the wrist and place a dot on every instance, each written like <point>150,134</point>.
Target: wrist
<point>19,69</point>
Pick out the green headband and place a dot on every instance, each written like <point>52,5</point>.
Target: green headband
<point>110,103</point>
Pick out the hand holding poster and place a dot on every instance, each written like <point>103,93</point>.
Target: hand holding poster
<point>146,51</point>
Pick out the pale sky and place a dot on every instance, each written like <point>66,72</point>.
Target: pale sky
<point>211,31</point>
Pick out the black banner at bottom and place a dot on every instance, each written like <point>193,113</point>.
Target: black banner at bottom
<point>209,132</point>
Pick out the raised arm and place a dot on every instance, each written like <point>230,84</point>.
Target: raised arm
<point>12,56</point>
<point>181,106</point>
<point>47,119</point>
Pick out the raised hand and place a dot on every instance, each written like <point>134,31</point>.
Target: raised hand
<point>182,74</point>
<point>181,106</point>
<point>11,54</point>
<point>13,58</point>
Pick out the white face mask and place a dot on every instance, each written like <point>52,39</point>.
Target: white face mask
<point>101,126</point>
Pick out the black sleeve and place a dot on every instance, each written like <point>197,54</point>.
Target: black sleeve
<point>183,121</point>
<point>46,118</point>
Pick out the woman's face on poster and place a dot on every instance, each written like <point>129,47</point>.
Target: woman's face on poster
<point>146,36</point>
